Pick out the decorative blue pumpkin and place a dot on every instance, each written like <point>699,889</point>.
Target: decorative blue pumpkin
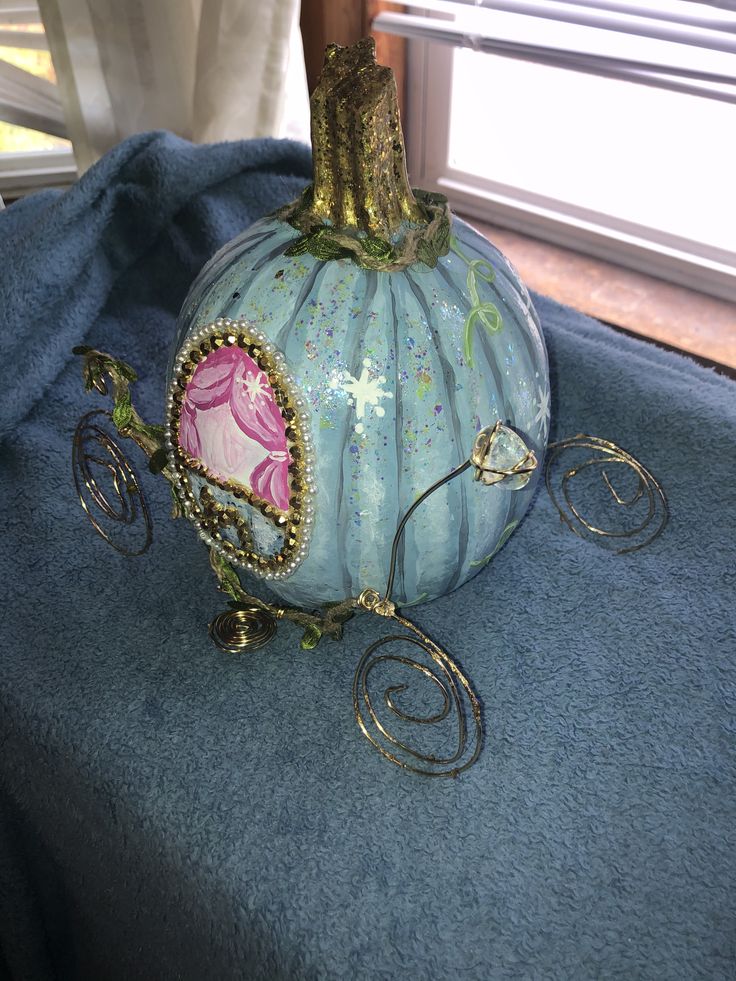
<point>316,390</point>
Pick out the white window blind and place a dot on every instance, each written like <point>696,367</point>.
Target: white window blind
<point>30,102</point>
<point>675,44</point>
<point>605,126</point>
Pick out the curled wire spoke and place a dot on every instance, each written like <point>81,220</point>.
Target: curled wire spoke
<point>459,711</point>
<point>648,495</point>
<point>242,629</point>
<point>119,502</point>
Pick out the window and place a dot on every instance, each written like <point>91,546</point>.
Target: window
<point>619,145</point>
<point>34,151</point>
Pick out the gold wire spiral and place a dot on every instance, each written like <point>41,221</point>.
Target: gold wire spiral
<point>95,453</point>
<point>607,454</point>
<point>459,704</point>
<point>242,629</point>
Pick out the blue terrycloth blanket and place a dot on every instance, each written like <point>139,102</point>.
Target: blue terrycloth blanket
<point>170,812</point>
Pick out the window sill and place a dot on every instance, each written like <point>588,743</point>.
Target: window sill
<point>668,314</point>
<point>23,173</point>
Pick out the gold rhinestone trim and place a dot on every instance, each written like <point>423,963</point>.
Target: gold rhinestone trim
<point>211,516</point>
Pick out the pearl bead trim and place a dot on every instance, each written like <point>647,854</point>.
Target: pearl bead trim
<point>297,522</point>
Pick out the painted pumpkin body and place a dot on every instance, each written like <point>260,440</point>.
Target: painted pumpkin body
<point>381,361</point>
<point>321,382</point>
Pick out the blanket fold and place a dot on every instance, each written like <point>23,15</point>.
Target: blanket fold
<point>64,253</point>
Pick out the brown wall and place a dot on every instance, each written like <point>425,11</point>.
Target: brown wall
<point>344,22</point>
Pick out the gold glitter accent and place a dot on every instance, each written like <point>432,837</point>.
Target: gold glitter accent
<point>240,491</point>
<point>360,176</point>
<point>226,516</point>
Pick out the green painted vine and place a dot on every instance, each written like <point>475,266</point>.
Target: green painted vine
<point>483,312</point>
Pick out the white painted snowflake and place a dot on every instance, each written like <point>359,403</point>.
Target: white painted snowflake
<point>364,391</point>
<point>256,386</point>
<point>542,404</point>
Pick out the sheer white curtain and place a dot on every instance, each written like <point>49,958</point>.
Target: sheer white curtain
<point>207,69</point>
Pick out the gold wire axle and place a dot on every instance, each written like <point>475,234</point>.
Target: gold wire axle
<point>459,702</point>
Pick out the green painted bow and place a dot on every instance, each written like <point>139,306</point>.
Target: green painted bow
<point>482,311</point>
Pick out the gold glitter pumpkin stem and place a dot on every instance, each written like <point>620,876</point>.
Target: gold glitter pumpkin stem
<point>360,205</point>
<point>360,178</point>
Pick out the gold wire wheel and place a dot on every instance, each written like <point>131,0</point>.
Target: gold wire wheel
<point>647,503</point>
<point>244,629</point>
<point>459,714</point>
<point>108,486</point>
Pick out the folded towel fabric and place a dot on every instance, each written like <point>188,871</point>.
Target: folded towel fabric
<point>169,812</point>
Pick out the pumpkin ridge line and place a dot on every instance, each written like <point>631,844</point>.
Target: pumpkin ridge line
<point>485,346</point>
<point>450,382</point>
<point>239,248</point>
<point>398,432</point>
<point>500,276</point>
<point>485,343</point>
<point>511,325</point>
<point>359,335</point>
<point>234,256</point>
<point>305,291</point>
<point>252,273</point>
<point>265,259</point>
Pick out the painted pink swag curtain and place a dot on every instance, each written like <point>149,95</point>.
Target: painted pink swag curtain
<point>227,395</point>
